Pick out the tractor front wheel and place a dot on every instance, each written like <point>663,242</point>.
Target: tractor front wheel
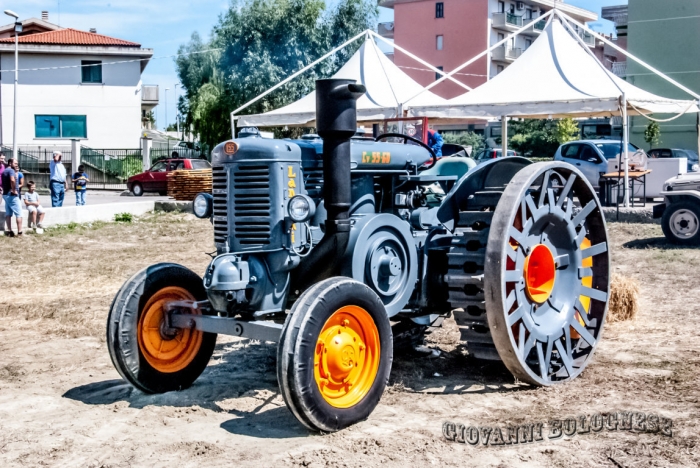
<point>335,354</point>
<point>144,352</point>
<point>681,223</point>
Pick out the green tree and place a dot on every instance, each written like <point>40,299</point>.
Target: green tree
<point>260,43</point>
<point>567,130</point>
<point>652,134</point>
<point>472,139</point>
<point>533,137</point>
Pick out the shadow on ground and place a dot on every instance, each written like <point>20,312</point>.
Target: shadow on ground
<point>654,243</point>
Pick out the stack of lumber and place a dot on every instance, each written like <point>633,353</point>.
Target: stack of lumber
<point>186,184</point>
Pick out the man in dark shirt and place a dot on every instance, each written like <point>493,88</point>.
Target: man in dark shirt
<point>10,188</point>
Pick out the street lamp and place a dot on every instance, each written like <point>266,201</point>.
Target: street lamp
<point>18,29</point>
<point>177,112</point>
<point>166,108</point>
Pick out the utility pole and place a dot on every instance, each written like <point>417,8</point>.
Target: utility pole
<point>166,108</point>
<point>18,29</point>
<point>177,113</point>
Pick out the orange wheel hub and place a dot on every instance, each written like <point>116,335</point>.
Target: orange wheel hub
<point>540,273</point>
<point>164,353</point>
<point>346,359</point>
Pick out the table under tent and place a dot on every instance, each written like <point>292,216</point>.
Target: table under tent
<point>557,76</point>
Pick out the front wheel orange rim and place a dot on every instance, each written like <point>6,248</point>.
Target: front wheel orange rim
<point>346,358</point>
<point>164,353</point>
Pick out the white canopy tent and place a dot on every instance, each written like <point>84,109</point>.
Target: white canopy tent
<point>554,77</point>
<point>389,93</point>
<point>557,76</point>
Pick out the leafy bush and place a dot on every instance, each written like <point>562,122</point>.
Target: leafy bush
<point>472,139</point>
<point>123,217</point>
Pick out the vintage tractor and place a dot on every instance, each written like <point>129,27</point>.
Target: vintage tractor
<point>332,248</point>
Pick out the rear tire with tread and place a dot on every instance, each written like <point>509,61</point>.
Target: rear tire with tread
<point>693,213</point>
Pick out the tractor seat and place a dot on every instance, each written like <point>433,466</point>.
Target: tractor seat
<point>450,166</point>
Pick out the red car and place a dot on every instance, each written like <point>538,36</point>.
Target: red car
<point>156,178</point>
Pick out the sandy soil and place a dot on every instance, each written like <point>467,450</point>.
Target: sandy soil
<point>63,404</point>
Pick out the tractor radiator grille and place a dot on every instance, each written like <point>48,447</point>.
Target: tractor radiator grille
<point>220,213</point>
<point>251,206</point>
<point>313,181</point>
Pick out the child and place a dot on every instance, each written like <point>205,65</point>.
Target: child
<point>80,181</point>
<point>31,201</point>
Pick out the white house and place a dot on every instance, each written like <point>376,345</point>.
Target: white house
<point>69,88</point>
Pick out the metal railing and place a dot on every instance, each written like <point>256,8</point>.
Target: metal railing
<point>539,25</point>
<point>35,162</point>
<point>515,20</point>
<point>507,19</point>
<point>110,168</point>
<point>149,93</point>
<point>587,37</point>
<point>506,53</point>
<point>620,69</point>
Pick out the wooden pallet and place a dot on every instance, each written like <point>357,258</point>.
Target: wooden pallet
<point>186,184</point>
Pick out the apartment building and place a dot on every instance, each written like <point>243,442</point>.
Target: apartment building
<point>447,33</point>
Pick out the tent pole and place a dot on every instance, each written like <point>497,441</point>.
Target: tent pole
<point>504,135</point>
<point>477,57</point>
<point>634,58</point>
<point>625,144</point>
<point>421,61</point>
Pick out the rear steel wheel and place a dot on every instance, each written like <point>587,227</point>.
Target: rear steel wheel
<point>146,354</point>
<point>546,275</point>
<point>334,354</point>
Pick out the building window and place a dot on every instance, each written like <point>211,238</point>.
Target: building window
<point>512,9</point>
<point>501,37</point>
<point>528,43</point>
<point>501,7</point>
<point>499,69</point>
<point>60,126</point>
<point>438,75</point>
<point>439,10</point>
<point>439,42</point>
<point>92,71</point>
<point>529,13</point>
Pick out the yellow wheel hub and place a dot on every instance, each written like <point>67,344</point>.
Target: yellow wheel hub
<point>346,359</point>
<point>164,353</point>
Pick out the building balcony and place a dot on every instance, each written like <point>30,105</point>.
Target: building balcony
<point>149,95</point>
<point>536,26</point>
<point>620,69</point>
<point>507,21</point>
<point>588,38</point>
<point>506,54</point>
<point>386,29</point>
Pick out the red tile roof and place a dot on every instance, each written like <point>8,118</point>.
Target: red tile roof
<point>70,36</point>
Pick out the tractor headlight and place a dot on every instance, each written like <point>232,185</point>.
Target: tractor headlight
<point>301,208</point>
<point>695,168</point>
<point>202,205</point>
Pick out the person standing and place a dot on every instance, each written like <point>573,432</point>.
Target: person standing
<point>435,142</point>
<point>3,165</point>
<point>80,181</point>
<point>57,184</point>
<point>10,187</point>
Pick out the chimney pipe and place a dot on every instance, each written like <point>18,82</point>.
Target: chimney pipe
<point>93,30</point>
<point>44,15</point>
<point>336,123</point>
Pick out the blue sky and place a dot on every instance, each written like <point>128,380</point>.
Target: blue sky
<point>163,26</point>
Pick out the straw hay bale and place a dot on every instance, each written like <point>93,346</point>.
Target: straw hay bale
<point>624,298</point>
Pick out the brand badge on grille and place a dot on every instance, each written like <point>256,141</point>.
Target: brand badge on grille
<point>230,147</point>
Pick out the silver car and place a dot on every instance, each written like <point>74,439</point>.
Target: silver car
<point>591,156</point>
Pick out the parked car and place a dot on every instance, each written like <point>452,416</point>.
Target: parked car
<point>156,178</point>
<point>186,149</point>
<point>680,212</point>
<point>591,156</point>
<point>691,156</point>
<point>491,153</point>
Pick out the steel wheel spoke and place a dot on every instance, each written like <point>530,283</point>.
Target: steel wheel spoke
<point>594,294</point>
<point>583,214</point>
<point>512,253</point>
<point>513,276</point>
<point>540,360</point>
<point>567,339</point>
<point>582,312</point>
<point>531,205</point>
<point>521,338</point>
<point>551,200</point>
<point>583,331</point>
<point>516,315</point>
<point>584,272</point>
<point>565,191</point>
<point>528,346</point>
<point>565,358</point>
<point>543,189</point>
<point>594,250</point>
<point>510,300</point>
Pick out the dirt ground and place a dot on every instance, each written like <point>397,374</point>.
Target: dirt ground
<point>63,404</point>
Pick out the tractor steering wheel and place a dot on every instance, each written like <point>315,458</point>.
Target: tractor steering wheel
<point>407,138</point>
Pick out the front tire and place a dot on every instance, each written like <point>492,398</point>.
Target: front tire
<point>681,223</point>
<point>150,361</point>
<point>335,354</point>
<point>137,190</point>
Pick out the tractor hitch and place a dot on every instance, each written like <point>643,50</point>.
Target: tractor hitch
<point>195,315</point>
